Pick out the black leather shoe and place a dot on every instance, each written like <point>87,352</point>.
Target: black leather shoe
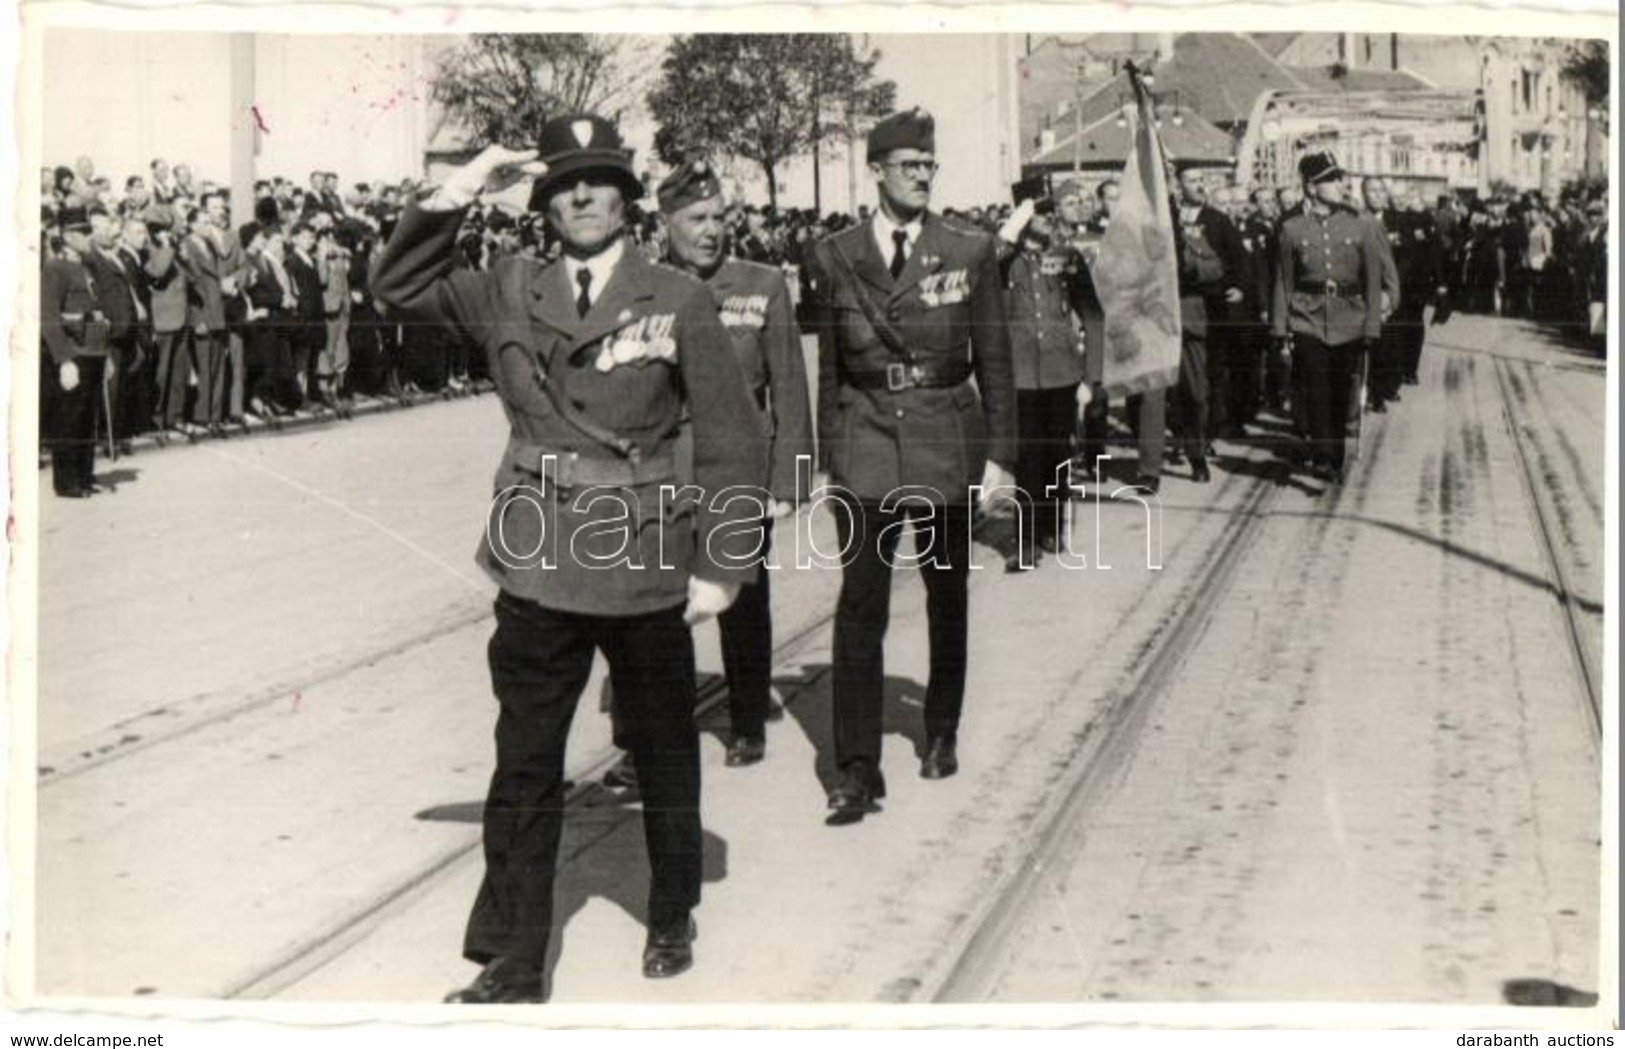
<point>855,795</point>
<point>498,985</point>
<point>670,951</point>
<point>1200,473</point>
<point>1149,484</point>
<point>746,750</point>
<point>624,776</point>
<point>74,493</point>
<point>941,758</point>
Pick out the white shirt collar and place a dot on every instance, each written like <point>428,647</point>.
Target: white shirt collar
<point>884,228</point>
<point>600,266</point>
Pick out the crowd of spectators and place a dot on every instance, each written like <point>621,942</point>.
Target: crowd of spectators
<point>247,316</point>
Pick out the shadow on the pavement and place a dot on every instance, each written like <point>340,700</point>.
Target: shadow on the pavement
<point>114,478</point>
<point>902,715</point>
<point>1454,550</point>
<point>1546,993</point>
<point>603,857</point>
<point>1278,470</point>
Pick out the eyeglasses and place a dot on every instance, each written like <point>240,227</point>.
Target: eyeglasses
<point>915,168</point>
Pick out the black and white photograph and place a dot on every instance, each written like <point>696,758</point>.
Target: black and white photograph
<point>539,519</point>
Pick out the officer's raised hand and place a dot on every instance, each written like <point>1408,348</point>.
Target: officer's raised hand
<point>495,169</point>
<point>707,599</point>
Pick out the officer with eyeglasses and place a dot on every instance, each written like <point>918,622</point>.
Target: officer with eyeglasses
<point>912,313</point>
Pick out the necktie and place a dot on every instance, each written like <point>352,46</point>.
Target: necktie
<point>584,300</point>
<point>899,256</point>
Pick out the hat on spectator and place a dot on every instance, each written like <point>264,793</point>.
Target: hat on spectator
<point>74,218</point>
<point>247,232</point>
<point>1319,166</point>
<point>1597,207</point>
<point>577,144</point>
<point>693,181</point>
<point>910,129</point>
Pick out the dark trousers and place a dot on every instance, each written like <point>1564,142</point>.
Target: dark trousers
<point>174,368</point>
<point>1409,332</point>
<point>71,418</point>
<point>1188,408</point>
<point>1238,376</point>
<point>1387,363</point>
<point>747,650</point>
<point>128,393</point>
<point>1045,421</point>
<point>869,537</point>
<point>540,659</point>
<point>1332,377</point>
<point>209,354</point>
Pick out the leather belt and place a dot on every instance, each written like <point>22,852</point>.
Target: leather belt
<point>1328,287</point>
<point>901,376</point>
<point>579,470</point>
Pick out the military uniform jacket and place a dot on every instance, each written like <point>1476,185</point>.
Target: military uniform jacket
<point>70,324</point>
<point>948,307</point>
<point>1328,281</point>
<point>754,306</point>
<point>1045,339</point>
<point>572,526</point>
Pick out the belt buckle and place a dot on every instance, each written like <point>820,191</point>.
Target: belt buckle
<point>896,377</point>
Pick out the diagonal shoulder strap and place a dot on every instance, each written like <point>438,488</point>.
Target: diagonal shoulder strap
<point>889,335</point>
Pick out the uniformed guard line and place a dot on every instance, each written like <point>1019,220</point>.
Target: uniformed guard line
<point>973,961</point>
<point>1579,649</point>
<point>318,950</point>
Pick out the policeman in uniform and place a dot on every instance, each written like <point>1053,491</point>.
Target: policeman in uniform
<point>595,358</point>
<point>913,310</point>
<point>1328,292</point>
<point>753,304</point>
<point>75,337</point>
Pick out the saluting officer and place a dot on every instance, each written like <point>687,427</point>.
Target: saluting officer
<point>1328,295</point>
<point>595,358</point>
<point>75,335</point>
<point>913,310</point>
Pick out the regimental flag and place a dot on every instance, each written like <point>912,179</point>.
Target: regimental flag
<point>1136,270</point>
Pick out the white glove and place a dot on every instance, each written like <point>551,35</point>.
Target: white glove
<point>781,509</point>
<point>998,485</point>
<point>707,599</point>
<point>67,373</point>
<point>495,169</point>
<point>1010,232</point>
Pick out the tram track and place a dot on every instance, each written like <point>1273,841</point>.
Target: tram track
<point>325,946</point>
<point>973,958</point>
<point>978,954</point>
<point>310,954</point>
<point>1546,531</point>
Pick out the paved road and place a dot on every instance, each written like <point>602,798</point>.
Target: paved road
<point>264,728</point>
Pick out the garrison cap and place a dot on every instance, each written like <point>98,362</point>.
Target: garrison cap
<point>693,181</point>
<point>576,144</point>
<point>1319,166</point>
<point>910,129</point>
